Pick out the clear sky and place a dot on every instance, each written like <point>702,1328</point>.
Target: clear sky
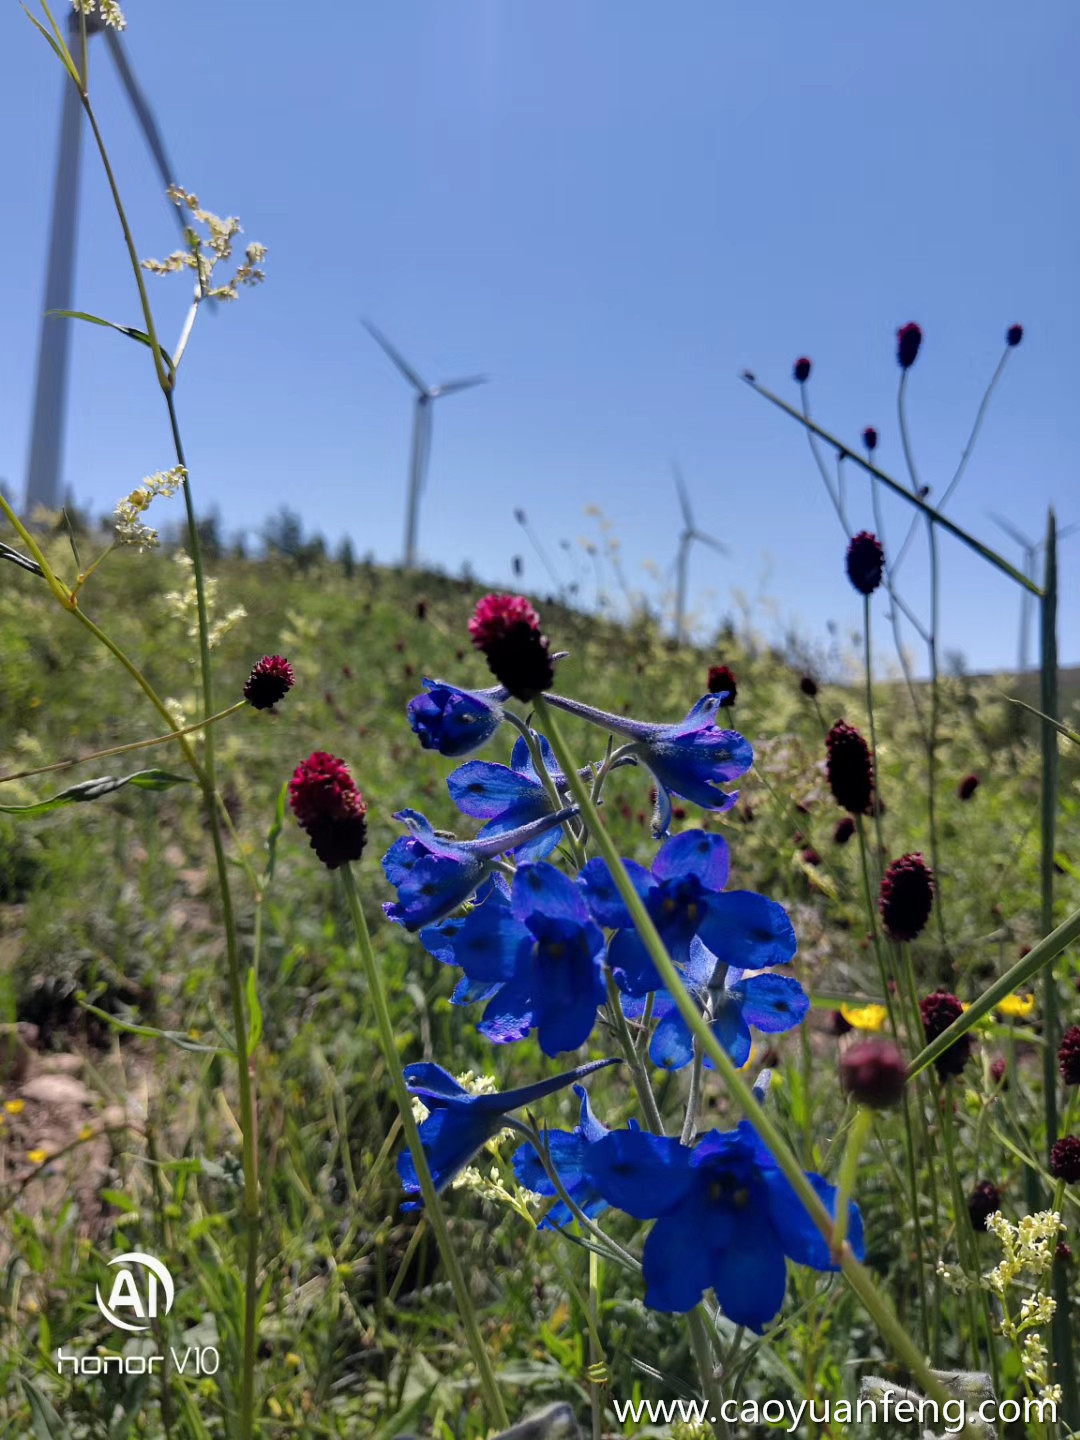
<point>611,208</point>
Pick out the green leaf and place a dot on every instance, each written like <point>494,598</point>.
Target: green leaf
<point>273,833</point>
<point>119,1200</point>
<point>95,789</point>
<point>47,1423</point>
<point>129,330</point>
<point>150,1032</point>
<point>255,1019</point>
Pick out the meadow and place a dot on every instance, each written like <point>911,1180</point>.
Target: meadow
<point>833,1154</point>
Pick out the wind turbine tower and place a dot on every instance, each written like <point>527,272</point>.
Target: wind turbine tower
<point>421,433</point>
<point>689,534</point>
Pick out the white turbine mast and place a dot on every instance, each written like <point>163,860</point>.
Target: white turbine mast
<point>50,387</point>
<point>1030,550</point>
<point>421,433</point>
<point>688,535</point>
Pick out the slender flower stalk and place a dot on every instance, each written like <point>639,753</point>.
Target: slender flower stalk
<point>432,1204</point>
<point>857,1276</point>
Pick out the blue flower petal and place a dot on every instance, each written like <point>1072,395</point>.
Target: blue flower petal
<point>488,946</point>
<point>454,721</point>
<point>672,1045</point>
<point>748,930</point>
<point>697,853</point>
<point>508,1100</point>
<point>434,1085</point>
<point>749,1276</point>
<point>484,789</point>
<point>730,1029</point>
<point>511,1013</point>
<point>671,1261</point>
<point>634,971</point>
<point>473,992</point>
<point>603,898</point>
<point>772,1003</point>
<point>567,1002</point>
<point>642,1174</point>
<point>802,1241</point>
<point>521,759</point>
<point>528,808</point>
<point>543,891</point>
<point>568,1154</point>
<point>450,1139</point>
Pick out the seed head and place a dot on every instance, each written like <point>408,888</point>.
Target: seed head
<point>874,1073</point>
<point>330,808</point>
<point>721,679</point>
<point>1069,1056</point>
<point>865,562</point>
<point>801,369</point>
<point>1014,335</point>
<point>808,686</point>
<point>850,769</point>
<point>938,1011</point>
<point>507,629</point>
<point>982,1202</point>
<point>908,340</point>
<point>1065,1159</point>
<point>906,897</point>
<point>869,438</point>
<point>270,680</point>
<point>967,787</point>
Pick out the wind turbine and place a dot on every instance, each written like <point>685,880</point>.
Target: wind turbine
<point>1031,549</point>
<point>689,534</point>
<point>421,435</point>
<point>50,388</point>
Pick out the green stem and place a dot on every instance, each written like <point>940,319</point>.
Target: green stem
<point>845,1184</point>
<point>740,1092</point>
<point>432,1205</point>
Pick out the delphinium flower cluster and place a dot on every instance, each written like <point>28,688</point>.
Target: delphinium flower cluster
<point>547,948</point>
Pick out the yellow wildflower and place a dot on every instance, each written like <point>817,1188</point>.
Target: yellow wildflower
<point>14,1107</point>
<point>1016,1007</point>
<point>37,1157</point>
<point>865,1017</point>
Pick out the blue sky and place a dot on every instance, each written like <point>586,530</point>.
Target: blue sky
<point>611,209</point>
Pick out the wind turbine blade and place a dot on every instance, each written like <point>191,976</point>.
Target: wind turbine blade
<point>451,387</point>
<point>399,360</point>
<point>710,540</point>
<point>1011,530</point>
<point>50,390</point>
<point>684,499</point>
<point>1066,531</point>
<point>423,444</point>
<point>144,114</point>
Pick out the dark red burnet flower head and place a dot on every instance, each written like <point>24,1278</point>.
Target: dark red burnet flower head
<point>270,680</point>
<point>801,369</point>
<point>809,686</point>
<point>906,897</point>
<point>850,768</point>
<point>999,1072</point>
<point>507,629</point>
<point>845,829</point>
<point>908,340</point>
<point>330,808</point>
<point>874,1073</point>
<point>865,562</point>
<point>839,1023</point>
<point>869,438</point>
<point>721,680</point>
<point>982,1202</point>
<point>938,1012</point>
<point>967,787</point>
<point>1013,335</point>
<point>1065,1159</point>
<point>1069,1056</point>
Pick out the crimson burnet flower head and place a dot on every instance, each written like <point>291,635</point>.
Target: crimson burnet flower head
<point>869,438</point>
<point>906,897</point>
<point>850,769</point>
<point>1065,1159</point>
<point>840,1024</point>
<point>938,1012</point>
<point>967,787</point>
<point>1014,335</point>
<point>1069,1056</point>
<point>865,562</point>
<point>801,370</point>
<point>908,340</point>
<point>845,829</point>
<point>270,680</point>
<point>982,1203</point>
<point>874,1073</point>
<point>330,808</point>
<point>507,629</point>
<point>999,1072</point>
<point>722,682</point>
<point>809,686</point>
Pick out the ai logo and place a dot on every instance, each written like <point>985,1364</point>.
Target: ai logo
<point>141,1301</point>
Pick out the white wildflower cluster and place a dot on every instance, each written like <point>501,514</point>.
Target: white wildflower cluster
<point>473,1083</point>
<point>209,249</point>
<point>107,11</point>
<point>954,1277</point>
<point>130,529</point>
<point>183,605</point>
<point>1028,1256</point>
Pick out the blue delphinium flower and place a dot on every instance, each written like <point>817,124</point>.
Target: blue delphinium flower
<point>507,798</point>
<point>725,1219</point>
<point>537,958</point>
<point>691,758</point>
<point>459,1123</point>
<point>434,874</point>
<point>568,1154</point>
<point>731,1000</point>
<point>455,721</point>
